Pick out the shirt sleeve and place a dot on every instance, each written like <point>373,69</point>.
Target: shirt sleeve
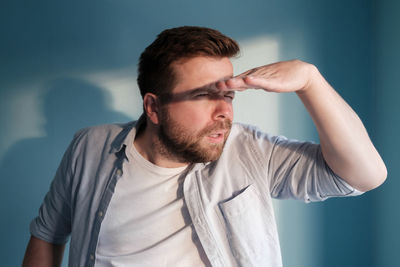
<point>297,170</point>
<point>53,223</point>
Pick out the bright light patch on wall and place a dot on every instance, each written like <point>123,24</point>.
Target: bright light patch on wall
<point>122,86</point>
<point>257,107</point>
<point>23,120</point>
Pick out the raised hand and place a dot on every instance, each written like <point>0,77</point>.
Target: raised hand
<point>284,76</point>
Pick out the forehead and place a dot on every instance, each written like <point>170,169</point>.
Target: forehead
<point>200,71</point>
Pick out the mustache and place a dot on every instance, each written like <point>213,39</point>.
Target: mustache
<point>217,126</point>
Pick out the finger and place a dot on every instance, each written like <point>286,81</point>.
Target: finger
<point>236,84</point>
<point>258,83</point>
<point>244,74</point>
<point>221,85</point>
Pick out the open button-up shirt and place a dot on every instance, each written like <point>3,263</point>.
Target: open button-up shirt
<point>229,200</point>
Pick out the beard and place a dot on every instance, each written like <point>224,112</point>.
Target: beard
<point>178,143</point>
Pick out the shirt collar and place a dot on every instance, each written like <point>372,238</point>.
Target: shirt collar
<point>126,137</point>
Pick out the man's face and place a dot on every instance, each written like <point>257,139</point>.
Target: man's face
<point>195,124</point>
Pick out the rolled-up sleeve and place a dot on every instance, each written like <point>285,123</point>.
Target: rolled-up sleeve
<point>298,170</point>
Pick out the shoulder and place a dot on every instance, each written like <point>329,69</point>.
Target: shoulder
<point>245,136</point>
<point>103,135</point>
<point>105,131</point>
<point>249,142</point>
<point>246,132</point>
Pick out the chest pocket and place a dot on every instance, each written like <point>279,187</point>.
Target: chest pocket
<point>251,230</point>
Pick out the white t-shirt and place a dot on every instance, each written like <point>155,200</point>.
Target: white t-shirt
<point>147,222</point>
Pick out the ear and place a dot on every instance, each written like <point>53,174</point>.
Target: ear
<point>151,107</point>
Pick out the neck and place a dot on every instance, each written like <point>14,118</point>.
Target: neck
<point>148,144</point>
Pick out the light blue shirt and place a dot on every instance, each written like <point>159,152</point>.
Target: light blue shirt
<point>229,200</point>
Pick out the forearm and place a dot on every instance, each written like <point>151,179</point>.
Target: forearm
<point>345,144</point>
<point>41,253</point>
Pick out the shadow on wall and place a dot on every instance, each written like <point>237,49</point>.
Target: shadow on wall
<point>29,165</point>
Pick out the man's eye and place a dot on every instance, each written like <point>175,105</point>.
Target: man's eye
<point>230,95</point>
<point>202,95</point>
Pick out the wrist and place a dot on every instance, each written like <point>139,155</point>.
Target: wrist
<point>314,78</point>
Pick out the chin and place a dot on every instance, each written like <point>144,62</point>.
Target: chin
<point>210,154</point>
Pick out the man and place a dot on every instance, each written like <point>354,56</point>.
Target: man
<point>182,186</point>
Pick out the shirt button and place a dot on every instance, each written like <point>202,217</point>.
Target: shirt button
<point>91,256</point>
<point>119,172</point>
<point>100,213</point>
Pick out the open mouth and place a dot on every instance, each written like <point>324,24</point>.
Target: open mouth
<point>216,137</point>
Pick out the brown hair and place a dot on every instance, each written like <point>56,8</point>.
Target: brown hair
<point>155,74</point>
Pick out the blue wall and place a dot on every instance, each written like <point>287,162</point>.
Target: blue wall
<point>387,121</point>
<point>55,55</point>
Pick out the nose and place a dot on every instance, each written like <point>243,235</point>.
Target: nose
<point>223,109</point>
